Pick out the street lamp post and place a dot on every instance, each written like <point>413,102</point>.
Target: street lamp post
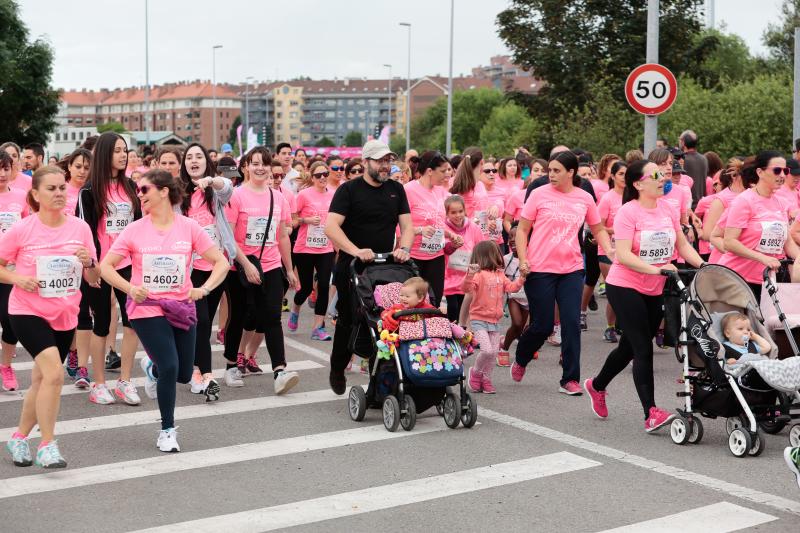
<point>215,134</point>
<point>247,108</point>
<point>408,89</point>
<point>146,76</point>
<point>450,86</point>
<point>390,99</point>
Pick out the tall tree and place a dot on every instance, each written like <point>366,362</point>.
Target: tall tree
<point>354,138</point>
<point>570,43</point>
<point>779,38</point>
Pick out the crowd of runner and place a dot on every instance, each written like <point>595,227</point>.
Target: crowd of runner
<point>166,243</point>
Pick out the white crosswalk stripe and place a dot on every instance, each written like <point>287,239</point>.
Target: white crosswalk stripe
<point>28,365</point>
<point>717,518</point>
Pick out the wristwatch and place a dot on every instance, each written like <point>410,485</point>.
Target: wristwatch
<point>406,249</point>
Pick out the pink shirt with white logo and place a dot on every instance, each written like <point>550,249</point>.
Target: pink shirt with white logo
<point>608,207</point>
<point>13,208</point>
<point>199,212</point>
<point>120,215</point>
<point>653,235</point>
<point>312,239</point>
<point>556,218</point>
<point>427,209</point>
<point>161,259</point>
<point>765,227</point>
<point>48,254</point>
<point>457,262</point>
<point>514,204</point>
<point>247,212</point>
<point>72,199</point>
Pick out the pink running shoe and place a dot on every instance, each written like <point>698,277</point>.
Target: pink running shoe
<point>9,378</point>
<point>475,381</point>
<point>221,337</point>
<point>241,363</point>
<point>598,399</point>
<point>517,372</point>
<point>570,388</point>
<point>486,385</point>
<point>657,419</point>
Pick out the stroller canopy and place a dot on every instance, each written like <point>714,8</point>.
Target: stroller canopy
<point>719,289</point>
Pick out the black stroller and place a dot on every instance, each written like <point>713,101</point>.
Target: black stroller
<point>393,386</point>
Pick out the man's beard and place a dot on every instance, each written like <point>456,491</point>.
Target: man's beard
<point>374,174</point>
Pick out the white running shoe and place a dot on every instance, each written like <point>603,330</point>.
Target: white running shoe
<point>555,337</point>
<point>126,391</point>
<point>99,394</point>
<point>168,440</point>
<point>233,377</point>
<point>198,385</point>
<point>285,381</point>
<point>150,381</point>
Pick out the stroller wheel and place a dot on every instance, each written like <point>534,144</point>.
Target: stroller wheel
<point>739,442</point>
<point>680,430</point>
<point>440,408</point>
<point>776,424</point>
<point>470,412</point>
<point>696,434</point>
<point>452,411</point>
<point>759,443</point>
<point>794,436</point>
<point>357,403</point>
<point>391,413</point>
<point>408,418</point>
<point>733,422</point>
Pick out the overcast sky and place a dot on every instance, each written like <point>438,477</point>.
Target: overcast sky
<point>100,43</point>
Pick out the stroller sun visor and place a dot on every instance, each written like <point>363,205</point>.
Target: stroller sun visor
<point>721,289</point>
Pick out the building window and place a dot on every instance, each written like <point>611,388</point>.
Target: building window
<point>278,115</point>
<point>293,103</point>
<point>72,135</point>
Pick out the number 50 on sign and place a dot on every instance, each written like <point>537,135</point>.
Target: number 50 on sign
<point>651,89</point>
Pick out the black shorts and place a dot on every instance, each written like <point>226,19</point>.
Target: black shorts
<point>36,335</point>
<point>604,259</point>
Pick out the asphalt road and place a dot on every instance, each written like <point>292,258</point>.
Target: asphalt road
<point>537,461</point>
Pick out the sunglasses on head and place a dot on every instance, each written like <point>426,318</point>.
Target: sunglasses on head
<point>337,168</point>
<point>320,175</point>
<point>490,171</point>
<point>356,170</point>
<point>777,170</point>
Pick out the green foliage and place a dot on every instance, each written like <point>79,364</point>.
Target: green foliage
<point>28,103</point>
<point>232,133</point>
<point>723,58</point>
<point>397,144</point>
<point>779,38</point>
<point>325,142</point>
<point>116,127</point>
<point>508,127</point>
<point>354,138</point>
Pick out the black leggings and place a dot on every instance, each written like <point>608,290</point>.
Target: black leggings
<point>8,332</point>
<point>85,322</point>
<point>100,304</point>
<point>432,271</point>
<point>206,309</point>
<point>306,264</point>
<point>265,310</point>
<point>36,335</point>
<point>172,351</point>
<point>592,265</point>
<point>454,303</point>
<point>639,316</point>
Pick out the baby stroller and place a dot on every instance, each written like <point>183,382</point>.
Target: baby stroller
<point>749,404</point>
<point>399,386</point>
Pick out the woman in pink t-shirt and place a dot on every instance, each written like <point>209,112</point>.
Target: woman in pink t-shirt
<point>732,183</point>
<point>205,197</point>
<point>52,252</point>
<point>312,249</point>
<point>161,247</point>
<point>646,234</point>
<point>509,177</point>
<point>757,228</point>
<point>108,203</point>
<point>553,265</point>
<point>13,208</point>
<point>491,226</point>
<point>467,184</point>
<point>18,180</point>
<point>248,213</point>
<point>608,208</point>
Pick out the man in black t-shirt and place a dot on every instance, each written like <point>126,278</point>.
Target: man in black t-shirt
<point>362,220</point>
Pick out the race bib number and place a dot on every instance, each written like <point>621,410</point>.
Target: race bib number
<point>7,220</point>
<point>483,223</point>
<point>656,247</point>
<point>163,272</point>
<point>58,275</point>
<point>459,260</point>
<point>316,238</point>
<point>255,231</point>
<point>773,237</point>
<point>119,216</point>
<point>433,244</point>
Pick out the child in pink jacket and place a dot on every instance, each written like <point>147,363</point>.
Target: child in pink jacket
<point>465,234</point>
<point>488,285</point>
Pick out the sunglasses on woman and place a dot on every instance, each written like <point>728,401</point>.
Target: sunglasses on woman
<point>655,176</point>
<point>356,170</point>
<point>277,175</point>
<point>320,175</point>
<point>144,189</point>
<point>490,171</point>
<point>777,170</point>
<point>336,168</point>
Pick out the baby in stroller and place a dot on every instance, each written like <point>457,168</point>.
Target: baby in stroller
<point>741,343</point>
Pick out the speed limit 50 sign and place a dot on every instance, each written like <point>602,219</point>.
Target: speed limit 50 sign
<point>651,89</point>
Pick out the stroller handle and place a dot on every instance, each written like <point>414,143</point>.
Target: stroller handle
<point>433,311</point>
<point>784,262</point>
<point>381,258</point>
<point>676,274</point>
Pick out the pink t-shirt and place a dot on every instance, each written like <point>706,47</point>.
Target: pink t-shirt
<point>556,218</point>
<point>765,227</point>
<point>653,234</point>
<point>791,198</point>
<point>48,254</point>
<point>475,200</point>
<point>457,262</point>
<point>312,239</point>
<point>600,188</point>
<point>514,204</point>
<point>247,212</point>
<point>72,199</point>
<point>679,199</point>
<point>120,215</point>
<point>161,259</point>
<point>199,212</point>
<point>686,181</point>
<point>291,197</point>
<point>716,255</point>
<point>495,197</point>
<point>13,208</point>
<point>22,182</point>
<point>508,186</point>
<point>607,208</point>
<point>427,209</point>
<point>710,185</point>
<point>701,210</point>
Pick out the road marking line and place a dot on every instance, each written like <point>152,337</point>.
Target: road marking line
<point>308,350</point>
<point>170,463</point>
<point>731,489</point>
<point>140,418</point>
<point>28,365</point>
<point>70,389</point>
<point>358,502</point>
<point>720,517</point>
